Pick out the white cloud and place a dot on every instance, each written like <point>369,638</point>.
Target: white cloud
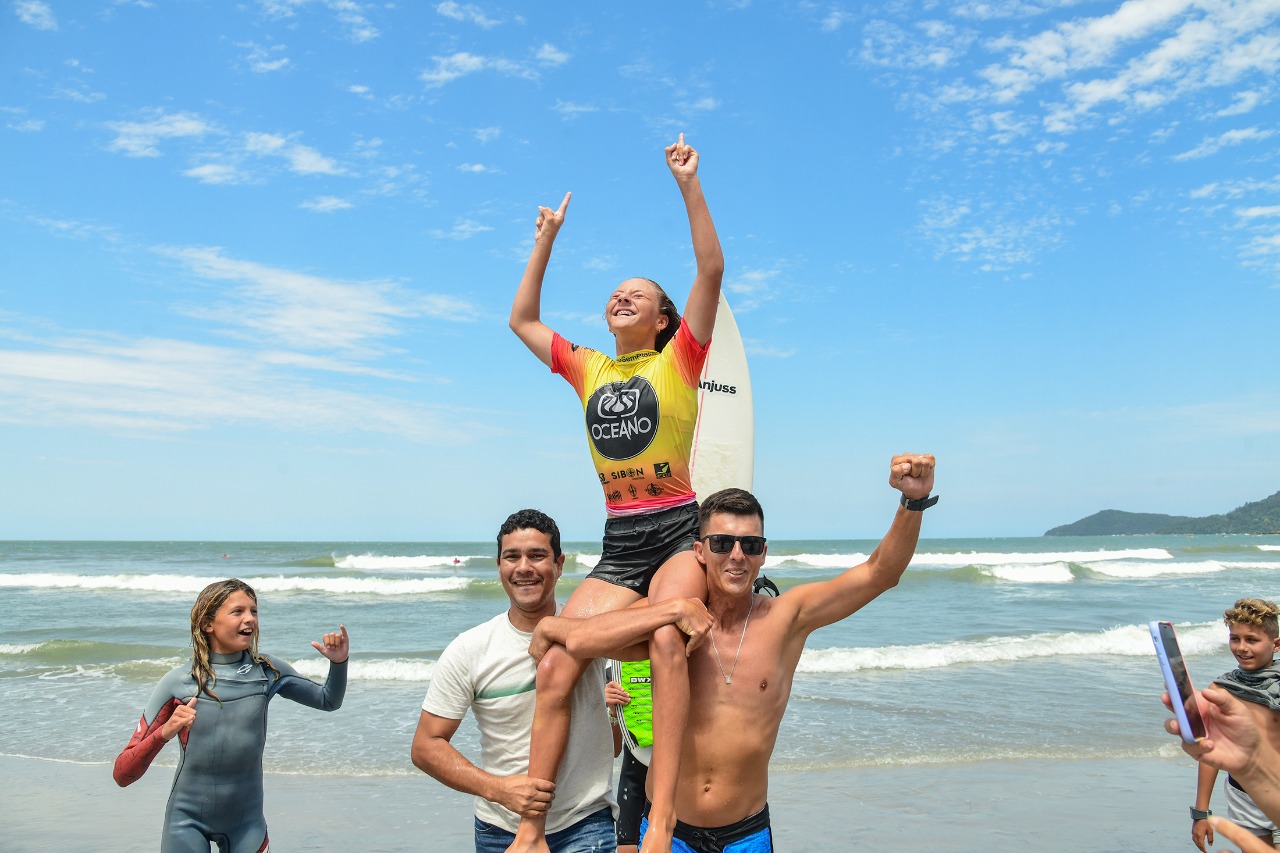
<point>159,386</point>
<point>752,288</point>
<point>1254,212</point>
<point>1225,140</point>
<point>348,12</point>
<point>476,168</point>
<point>325,204</point>
<point>1243,102</point>
<point>142,138</point>
<point>216,173</point>
<point>488,134</point>
<point>994,236</point>
<point>307,311</point>
<point>264,60</point>
<point>463,230</point>
<point>36,14</point>
<point>568,109</point>
<point>302,160</point>
<point>467,13</point>
<point>549,54</point>
<point>457,65</point>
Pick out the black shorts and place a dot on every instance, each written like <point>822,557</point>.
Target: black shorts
<point>636,546</point>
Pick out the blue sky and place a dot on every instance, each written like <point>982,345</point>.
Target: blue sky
<point>258,257</point>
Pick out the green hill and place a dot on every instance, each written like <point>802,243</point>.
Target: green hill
<point>1258,517</point>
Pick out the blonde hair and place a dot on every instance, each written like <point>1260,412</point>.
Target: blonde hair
<point>206,607</point>
<point>1256,612</point>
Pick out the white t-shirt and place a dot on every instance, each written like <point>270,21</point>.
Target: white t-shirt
<point>488,669</point>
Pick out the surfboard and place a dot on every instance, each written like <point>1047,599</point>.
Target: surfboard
<point>724,438</point>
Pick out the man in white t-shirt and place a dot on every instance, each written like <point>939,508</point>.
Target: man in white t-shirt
<point>488,670</point>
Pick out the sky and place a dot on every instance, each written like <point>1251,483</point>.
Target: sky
<point>257,257</point>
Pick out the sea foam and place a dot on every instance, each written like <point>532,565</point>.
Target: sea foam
<point>191,584</point>
<point>1126,640</point>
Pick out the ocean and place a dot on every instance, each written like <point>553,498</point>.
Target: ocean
<point>989,650</point>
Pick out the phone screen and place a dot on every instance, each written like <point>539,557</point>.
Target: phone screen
<point>1177,681</point>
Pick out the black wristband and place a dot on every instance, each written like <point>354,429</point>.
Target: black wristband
<point>1196,814</point>
<point>918,505</point>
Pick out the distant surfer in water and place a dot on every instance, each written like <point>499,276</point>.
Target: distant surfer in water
<point>217,790</point>
<point>640,408</point>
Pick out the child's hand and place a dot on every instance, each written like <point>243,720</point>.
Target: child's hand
<point>181,718</point>
<point>337,645</point>
<point>614,695</point>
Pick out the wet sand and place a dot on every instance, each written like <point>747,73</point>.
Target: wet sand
<point>1090,806</point>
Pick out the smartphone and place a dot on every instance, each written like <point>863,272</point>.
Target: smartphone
<point>1176,680</point>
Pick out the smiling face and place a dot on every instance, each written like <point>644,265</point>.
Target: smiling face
<point>529,569</point>
<point>1253,648</point>
<point>635,307</point>
<point>732,574</point>
<point>234,626</point>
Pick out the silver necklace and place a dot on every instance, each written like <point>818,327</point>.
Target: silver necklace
<point>728,679</point>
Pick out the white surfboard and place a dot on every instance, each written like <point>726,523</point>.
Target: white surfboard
<point>724,439</point>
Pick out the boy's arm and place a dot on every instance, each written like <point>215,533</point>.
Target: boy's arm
<point>704,296</point>
<point>622,634</point>
<point>1201,832</point>
<point>526,309</point>
<point>819,604</point>
<point>434,754</point>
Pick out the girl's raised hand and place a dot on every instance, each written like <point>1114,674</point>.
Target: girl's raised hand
<point>336,645</point>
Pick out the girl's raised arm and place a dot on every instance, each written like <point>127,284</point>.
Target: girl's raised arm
<point>526,310</point>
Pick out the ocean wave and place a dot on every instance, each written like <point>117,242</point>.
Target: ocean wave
<point>1269,547</point>
<point>995,558</point>
<point>388,669</point>
<point>1124,569</point>
<point>1126,641</point>
<point>1034,573</point>
<point>191,584</point>
<point>378,562</point>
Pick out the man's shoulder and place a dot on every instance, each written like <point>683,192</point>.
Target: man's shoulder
<point>481,634</point>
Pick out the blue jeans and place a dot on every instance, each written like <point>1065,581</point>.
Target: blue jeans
<point>592,834</point>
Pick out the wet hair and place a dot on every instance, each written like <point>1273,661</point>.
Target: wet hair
<point>531,519</point>
<point>1256,612</point>
<point>667,308</point>
<point>210,599</point>
<point>731,502</point>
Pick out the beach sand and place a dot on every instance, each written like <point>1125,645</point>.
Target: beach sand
<point>1086,806</point>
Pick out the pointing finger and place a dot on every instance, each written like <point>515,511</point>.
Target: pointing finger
<point>564,205</point>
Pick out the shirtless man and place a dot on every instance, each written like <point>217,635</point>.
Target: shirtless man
<point>740,679</point>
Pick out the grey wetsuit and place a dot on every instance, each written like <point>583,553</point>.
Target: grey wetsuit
<point>217,789</point>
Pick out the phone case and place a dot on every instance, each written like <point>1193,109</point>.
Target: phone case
<point>1180,690</point>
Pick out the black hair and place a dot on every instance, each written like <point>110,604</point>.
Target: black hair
<point>731,502</point>
<point>531,519</point>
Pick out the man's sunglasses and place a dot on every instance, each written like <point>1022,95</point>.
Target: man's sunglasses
<point>722,543</point>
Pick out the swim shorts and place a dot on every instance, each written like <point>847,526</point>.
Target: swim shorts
<point>749,835</point>
<point>636,546</point>
<point>1242,809</point>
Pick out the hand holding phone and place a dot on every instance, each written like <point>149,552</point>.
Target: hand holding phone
<point>1178,683</point>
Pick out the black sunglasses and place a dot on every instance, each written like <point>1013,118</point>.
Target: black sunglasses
<point>722,543</point>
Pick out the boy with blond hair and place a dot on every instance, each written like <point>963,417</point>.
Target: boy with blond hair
<point>1253,633</point>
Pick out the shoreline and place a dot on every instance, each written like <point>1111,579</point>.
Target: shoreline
<point>1092,806</point>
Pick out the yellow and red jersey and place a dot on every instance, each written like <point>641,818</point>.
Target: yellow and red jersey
<point>640,411</point>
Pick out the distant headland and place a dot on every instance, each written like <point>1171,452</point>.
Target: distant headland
<point>1258,517</point>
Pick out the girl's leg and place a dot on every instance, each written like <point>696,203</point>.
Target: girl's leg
<point>682,576</point>
<point>558,674</point>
